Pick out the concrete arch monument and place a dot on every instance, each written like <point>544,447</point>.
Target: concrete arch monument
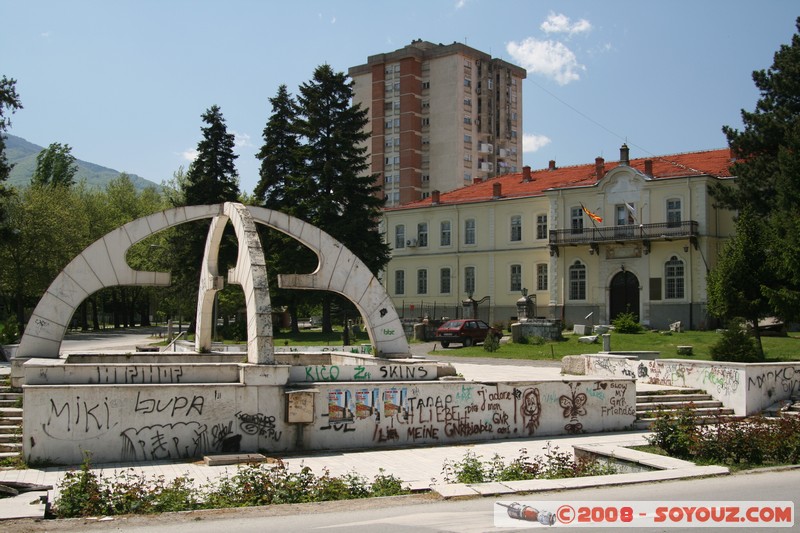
<point>103,264</point>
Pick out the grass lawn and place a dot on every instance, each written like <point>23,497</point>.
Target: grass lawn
<point>775,348</point>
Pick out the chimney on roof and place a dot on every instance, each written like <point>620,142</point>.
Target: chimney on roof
<point>599,167</point>
<point>552,165</point>
<point>477,180</point>
<point>435,197</point>
<point>496,190</point>
<point>624,155</point>
<point>648,167</point>
<point>526,174</point>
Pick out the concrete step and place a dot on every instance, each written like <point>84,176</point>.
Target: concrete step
<point>664,398</point>
<point>702,412</point>
<point>11,437</point>
<point>8,403</point>
<point>11,447</point>
<point>675,406</point>
<point>662,392</point>
<point>10,411</point>
<point>8,395</point>
<point>11,421</point>
<point>4,455</point>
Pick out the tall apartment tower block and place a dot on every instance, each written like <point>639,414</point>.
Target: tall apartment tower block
<point>441,117</point>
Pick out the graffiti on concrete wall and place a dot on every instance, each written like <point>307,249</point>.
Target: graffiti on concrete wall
<point>785,380</point>
<point>574,406</point>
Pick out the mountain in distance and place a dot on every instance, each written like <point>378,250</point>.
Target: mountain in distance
<point>22,154</point>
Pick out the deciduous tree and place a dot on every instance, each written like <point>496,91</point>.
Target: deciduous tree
<point>55,166</point>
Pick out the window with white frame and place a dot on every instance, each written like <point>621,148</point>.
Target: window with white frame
<point>576,219</point>
<point>422,281</point>
<point>400,236</point>
<point>422,234</point>
<point>467,138</point>
<point>541,277</point>
<point>674,212</point>
<point>399,282</point>
<point>577,281</point>
<point>469,280</point>
<point>469,231</point>
<point>444,233</point>
<point>426,121</point>
<point>673,279</point>
<point>541,226</point>
<point>444,280</point>
<point>426,85</point>
<point>516,228</point>
<point>467,119</point>
<point>516,278</point>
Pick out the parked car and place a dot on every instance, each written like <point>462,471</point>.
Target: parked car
<point>466,331</point>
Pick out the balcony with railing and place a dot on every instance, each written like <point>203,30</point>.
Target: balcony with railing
<point>644,233</point>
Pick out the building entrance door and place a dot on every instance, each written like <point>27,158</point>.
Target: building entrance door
<point>624,294</point>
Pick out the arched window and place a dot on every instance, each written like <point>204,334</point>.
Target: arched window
<point>673,278</point>
<point>577,281</point>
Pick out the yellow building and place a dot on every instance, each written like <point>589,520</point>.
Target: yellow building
<point>588,242</point>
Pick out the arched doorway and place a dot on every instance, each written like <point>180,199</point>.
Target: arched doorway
<point>624,297</point>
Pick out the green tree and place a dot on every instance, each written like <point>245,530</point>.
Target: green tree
<point>282,182</point>
<point>345,203</point>
<point>735,284</point>
<point>211,179</point>
<point>284,186</point>
<point>767,170</point>
<point>55,165</point>
<point>50,229</point>
<point>9,102</point>
<point>212,176</point>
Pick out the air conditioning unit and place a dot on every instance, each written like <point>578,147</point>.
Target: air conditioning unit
<point>411,243</point>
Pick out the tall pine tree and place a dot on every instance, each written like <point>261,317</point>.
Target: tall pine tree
<point>767,168</point>
<point>345,204</point>
<point>284,186</point>
<point>211,179</point>
<point>212,176</point>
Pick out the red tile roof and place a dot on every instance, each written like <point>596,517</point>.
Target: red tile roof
<point>707,163</point>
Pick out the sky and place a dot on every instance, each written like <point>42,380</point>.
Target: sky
<point>125,82</point>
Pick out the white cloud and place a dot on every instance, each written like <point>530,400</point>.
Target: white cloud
<point>44,35</point>
<point>532,142</point>
<point>551,59</point>
<point>333,20</point>
<point>241,139</point>
<point>460,3</point>
<point>560,23</point>
<point>189,155</point>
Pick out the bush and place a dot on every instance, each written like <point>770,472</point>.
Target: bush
<point>491,343</point>
<point>735,345</point>
<point>755,441</point>
<point>83,493</point>
<point>627,323</point>
<point>554,465</point>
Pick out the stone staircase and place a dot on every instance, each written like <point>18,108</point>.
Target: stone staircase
<point>706,409</point>
<point>10,420</point>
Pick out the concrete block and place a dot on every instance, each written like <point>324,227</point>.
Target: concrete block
<point>588,339</point>
<point>455,490</point>
<point>579,329</point>
<point>233,459</point>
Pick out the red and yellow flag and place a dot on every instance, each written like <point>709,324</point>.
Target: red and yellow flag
<point>591,215</point>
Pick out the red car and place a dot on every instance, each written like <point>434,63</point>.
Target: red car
<point>466,331</point>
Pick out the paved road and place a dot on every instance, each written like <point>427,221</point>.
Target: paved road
<point>427,514</point>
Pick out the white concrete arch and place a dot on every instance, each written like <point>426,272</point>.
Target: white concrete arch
<point>340,271</point>
<point>103,264</point>
<point>250,272</point>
